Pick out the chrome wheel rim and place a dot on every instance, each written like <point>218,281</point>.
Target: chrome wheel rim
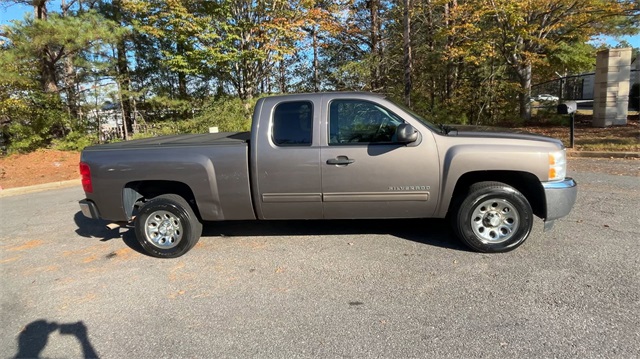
<point>163,229</point>
<point>495,220</point>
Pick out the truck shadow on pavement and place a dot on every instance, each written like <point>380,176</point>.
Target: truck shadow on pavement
<point>97,228</point>
<point>35,336</point>
<point>434,232</point>
<point>94,228</point>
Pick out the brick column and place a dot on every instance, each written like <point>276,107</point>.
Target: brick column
<point>611,92</point>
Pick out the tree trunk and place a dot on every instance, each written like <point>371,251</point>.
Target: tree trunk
<point>182,78</point>
<point>451,68</point>
<point>125,86</point>
<point>124,81</point>
<point>48,80</point>
<point>70,83</point>
<point>40,9</point>
<point>283,79</point>
<point>70,76</point>
<point>381,68</point>
<point>314,35</point>
<point>524,75</point>
<point>373,38</point>
<point>407,52</point>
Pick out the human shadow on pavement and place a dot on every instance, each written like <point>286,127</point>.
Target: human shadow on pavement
<point>35,336</point>
<point>433,232</point>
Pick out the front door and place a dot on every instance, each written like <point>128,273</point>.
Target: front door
<point>366,173</point>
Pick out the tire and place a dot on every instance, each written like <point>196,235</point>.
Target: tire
<point>493,218</point>
<point>167,227</point>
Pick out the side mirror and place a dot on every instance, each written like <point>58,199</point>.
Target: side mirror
<point>406,133</point>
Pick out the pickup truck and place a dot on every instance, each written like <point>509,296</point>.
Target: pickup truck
<point>330,156</point>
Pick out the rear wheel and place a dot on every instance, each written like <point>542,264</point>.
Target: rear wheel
<point>493,217</point>
<point>167,227</point>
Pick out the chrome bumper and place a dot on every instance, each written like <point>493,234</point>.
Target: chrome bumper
<point>89,209</point>
<point>560,197</point>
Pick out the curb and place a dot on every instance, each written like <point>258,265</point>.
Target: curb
<point>602,154</point>
<point>38,188</point>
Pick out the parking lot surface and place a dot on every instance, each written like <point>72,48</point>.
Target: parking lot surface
<point>393,288</point>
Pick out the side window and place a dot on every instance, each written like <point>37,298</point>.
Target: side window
<point>357,121</point>
<point>292,123</point>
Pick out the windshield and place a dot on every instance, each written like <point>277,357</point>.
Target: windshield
<point>417,117</point>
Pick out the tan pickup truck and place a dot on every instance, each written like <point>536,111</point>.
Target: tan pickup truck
<point>330,156</point>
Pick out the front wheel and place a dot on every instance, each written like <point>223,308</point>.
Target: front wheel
<point>167,227</point>
<point>493,217</point>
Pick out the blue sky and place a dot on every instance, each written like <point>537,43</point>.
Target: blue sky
<point>14,12</point>
<point>18,11</point>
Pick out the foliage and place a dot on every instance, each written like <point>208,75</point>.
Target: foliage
<point>525,32</point>
<point>75,141</point>
<point>33,121</point>
<point>229,114</point>
<point>182,66</point>
<point>41,62</point>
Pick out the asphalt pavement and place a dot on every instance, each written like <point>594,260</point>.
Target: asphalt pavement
<point>70,288</point>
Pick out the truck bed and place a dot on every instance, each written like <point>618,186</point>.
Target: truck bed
<point>214,167</point>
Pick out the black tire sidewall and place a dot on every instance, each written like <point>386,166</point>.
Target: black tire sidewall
<point>162,204</point>
<point>507,193</point>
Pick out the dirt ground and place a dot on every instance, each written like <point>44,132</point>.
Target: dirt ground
<point>42,166</point>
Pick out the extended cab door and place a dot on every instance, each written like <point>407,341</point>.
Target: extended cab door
<point>366,173</point>
<point>285,158</point>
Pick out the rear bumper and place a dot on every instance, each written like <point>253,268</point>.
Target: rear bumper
<point>560,198</point>
<point>89,209</point>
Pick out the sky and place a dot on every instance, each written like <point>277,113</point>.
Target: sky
<point>18,11</point>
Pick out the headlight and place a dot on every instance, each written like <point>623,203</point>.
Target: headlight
<point>557,165</point>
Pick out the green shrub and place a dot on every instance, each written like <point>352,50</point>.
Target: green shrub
<point>75,141</point>
<point>228,114</point>
<point>33,121</point>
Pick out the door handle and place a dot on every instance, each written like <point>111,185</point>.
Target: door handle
<point>340,160</point>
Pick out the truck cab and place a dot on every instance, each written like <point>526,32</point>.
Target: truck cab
<point>339,156</point>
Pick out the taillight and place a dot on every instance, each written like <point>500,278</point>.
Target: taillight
<point>85,172</point>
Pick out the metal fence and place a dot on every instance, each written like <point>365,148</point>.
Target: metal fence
<point>575,87</point>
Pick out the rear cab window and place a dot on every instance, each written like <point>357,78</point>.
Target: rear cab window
<point>292,123</point>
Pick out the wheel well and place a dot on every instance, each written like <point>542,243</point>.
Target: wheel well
<point>140,191</point>
<point>526,183</point>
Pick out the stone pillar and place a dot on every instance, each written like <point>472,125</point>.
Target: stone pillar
<point>611,92</point>
<point>636,81</point>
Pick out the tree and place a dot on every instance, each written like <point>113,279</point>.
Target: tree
<point>58,43</point>
<point>408,65</point>
<point>526,31</point>
<point>238,41</point>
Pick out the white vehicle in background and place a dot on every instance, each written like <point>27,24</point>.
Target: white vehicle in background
<point>545,97</point>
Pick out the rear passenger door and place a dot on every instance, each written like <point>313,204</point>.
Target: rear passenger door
<point>286,160</point>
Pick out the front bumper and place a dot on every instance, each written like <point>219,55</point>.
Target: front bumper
<point>560,197</point>
<point>89,209</point>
